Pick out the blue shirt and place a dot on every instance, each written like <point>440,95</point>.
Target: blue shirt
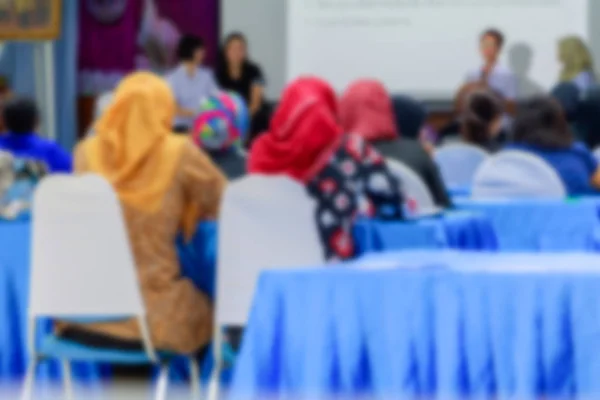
<point>36,148</point>
<point>189,90</point>
<point>576,165</point>
<point>500,79</point>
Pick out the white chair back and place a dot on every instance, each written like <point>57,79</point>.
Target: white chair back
<point>458,163</point>
<point>81,261</point>
<point>597,154</point>
<point>519,174</point>
<point>102,103</point>
<point>413,186</point>
<point>266,222</point>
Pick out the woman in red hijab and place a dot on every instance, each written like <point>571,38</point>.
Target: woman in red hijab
<point>366,109</point>
<point>344,174</point>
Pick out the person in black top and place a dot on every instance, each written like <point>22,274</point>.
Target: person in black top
<point>236,73</point>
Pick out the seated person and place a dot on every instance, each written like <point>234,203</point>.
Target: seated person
<point>166,185</point>
<point>342,172</point>
<point>21,117</point>
<point>220,129</point>
<point>190,81</point>
<point>481,121</point>
<point>577,63</point>
<point>366,109</point>
<point>236,72</point>
<point>542,129</point>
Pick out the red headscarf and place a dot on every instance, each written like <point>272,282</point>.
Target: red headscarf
<point>302,135</point>
<point>366,109</point>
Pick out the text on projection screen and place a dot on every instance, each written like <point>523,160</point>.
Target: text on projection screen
<point>427,47</point>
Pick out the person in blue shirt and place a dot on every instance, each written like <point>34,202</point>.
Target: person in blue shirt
<point>190,81</point>
<point>541,128</point>
<point>21,117</point>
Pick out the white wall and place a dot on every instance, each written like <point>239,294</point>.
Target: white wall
<point>264,23</point>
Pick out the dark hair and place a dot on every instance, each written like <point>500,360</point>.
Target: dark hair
<point>234,36</point>
<point>187,46</point>
<point>20,115</point>
<point>222,69</point>
<point>482,108</point>
<point>496,34</point>
<point>230,38</point>
<point>541,122</point>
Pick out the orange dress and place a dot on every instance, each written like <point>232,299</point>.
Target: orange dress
<point>179,315</point>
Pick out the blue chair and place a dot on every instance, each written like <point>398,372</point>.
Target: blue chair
<point>83,271</point>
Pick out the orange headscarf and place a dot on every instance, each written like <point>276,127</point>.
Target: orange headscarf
<point>133,147</point>
<point>366,109</point>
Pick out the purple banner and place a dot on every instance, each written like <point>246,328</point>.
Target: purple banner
<point>118,36</point>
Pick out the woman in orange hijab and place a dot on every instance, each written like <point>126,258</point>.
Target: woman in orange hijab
<point>366,109</point>
<point>166,185</point>
<point>343,174</point>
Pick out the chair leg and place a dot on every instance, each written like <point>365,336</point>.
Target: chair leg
<point>67,379</point>
<point>195,379</point>
<point>27,391</point>
<point>215,377</point>
<point>162,382</point>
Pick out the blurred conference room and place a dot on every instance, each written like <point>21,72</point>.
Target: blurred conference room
<point>299,199</point>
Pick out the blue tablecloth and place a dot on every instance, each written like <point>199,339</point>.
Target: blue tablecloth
<point>447,325</point>
<point>453,230</point>
<point>14,283</point>
<point>541,225</point>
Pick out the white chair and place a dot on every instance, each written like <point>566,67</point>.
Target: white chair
<point>597,154</point>
<point>514,173</point>
<point>458,163</point>
<point>266,222</point>
<point>414,187</point>
<point>102,103</point>
<point>83,270</point>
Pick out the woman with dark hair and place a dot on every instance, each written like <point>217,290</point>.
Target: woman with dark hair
<point>236,73</point>
<point>542,129</point>
<point>481,120</point>
<point>366,109</point>
<point>190,81</point>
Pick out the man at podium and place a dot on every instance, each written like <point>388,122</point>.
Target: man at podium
<point>496,76</point>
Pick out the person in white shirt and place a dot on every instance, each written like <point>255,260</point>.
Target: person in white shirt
<point>497,77</point>
<point>190,82</point>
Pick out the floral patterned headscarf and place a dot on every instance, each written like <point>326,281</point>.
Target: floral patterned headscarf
<point>222,123</point>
